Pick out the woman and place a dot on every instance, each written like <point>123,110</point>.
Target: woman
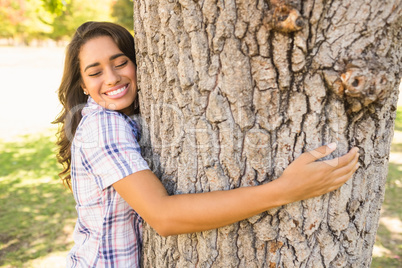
<point>110,180</point>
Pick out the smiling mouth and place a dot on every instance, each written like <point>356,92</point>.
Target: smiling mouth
<point>117,91</point>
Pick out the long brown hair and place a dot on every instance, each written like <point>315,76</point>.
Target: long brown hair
<point>72,96</point>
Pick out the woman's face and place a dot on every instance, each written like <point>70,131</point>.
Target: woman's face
<point>108,75</point>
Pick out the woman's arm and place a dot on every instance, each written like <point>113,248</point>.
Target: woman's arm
<point>186,213</point>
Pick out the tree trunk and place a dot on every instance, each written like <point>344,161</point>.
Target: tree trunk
<point>233,91</point>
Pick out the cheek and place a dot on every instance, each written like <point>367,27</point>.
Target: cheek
<point>132,71</point>
<point>90,84</point>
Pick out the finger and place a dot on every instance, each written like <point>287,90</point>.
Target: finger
<point>318,153</point>
<point>341,180</point>
<point>346,169</point>
<point>343,160</point>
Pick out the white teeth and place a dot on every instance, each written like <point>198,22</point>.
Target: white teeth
<point>117,91</point>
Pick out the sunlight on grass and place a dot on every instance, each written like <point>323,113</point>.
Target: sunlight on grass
<point>37,213</point>
<point>52,260</point>
<point>380,251</point>
<point>394,225</point>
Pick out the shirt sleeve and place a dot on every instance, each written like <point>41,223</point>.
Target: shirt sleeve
<point>109,148</point>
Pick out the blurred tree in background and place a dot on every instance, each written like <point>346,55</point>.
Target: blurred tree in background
<point>122,12</point>
<point>56,6</point>
<point>76,13</point>
<point>23,21</point>
<point>10,16</point>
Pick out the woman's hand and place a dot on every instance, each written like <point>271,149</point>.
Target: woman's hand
<point>305,177</point>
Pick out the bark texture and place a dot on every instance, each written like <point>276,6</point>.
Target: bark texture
<point>233,91</point>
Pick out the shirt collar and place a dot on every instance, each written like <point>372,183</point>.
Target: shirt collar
<point>91,106</point>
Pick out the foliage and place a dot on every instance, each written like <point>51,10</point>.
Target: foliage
<point>24,20</point>
<point>56,6</point>
<point>10,15</point>
<point>78,12</point>
<point>122,12</point>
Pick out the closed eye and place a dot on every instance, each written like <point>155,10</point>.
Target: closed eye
<point>95,74</point>
<point>117,66</point>
<point>121,65</point>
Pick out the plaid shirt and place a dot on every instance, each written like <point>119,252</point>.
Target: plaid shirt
<point>104,151</point>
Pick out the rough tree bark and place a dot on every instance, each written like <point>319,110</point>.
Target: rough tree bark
<point>233,91</point>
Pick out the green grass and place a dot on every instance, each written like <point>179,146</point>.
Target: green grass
<point>398,119</point>
<point>36,211</point>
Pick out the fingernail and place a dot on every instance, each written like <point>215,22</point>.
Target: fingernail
<point>332,146</point>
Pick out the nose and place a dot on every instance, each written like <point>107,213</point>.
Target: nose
<point>112,77</point>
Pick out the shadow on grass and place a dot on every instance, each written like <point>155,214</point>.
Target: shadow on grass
<point>37,212</point>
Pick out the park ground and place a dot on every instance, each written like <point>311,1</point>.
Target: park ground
<point>37,213</point>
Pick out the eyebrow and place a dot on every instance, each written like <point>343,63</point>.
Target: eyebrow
<point>111,58</point>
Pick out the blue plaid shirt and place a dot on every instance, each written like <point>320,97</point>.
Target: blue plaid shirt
<point>104,151</point>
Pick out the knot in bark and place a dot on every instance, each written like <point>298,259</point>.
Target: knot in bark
<point>365,82</point>
<point>284,18</point>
